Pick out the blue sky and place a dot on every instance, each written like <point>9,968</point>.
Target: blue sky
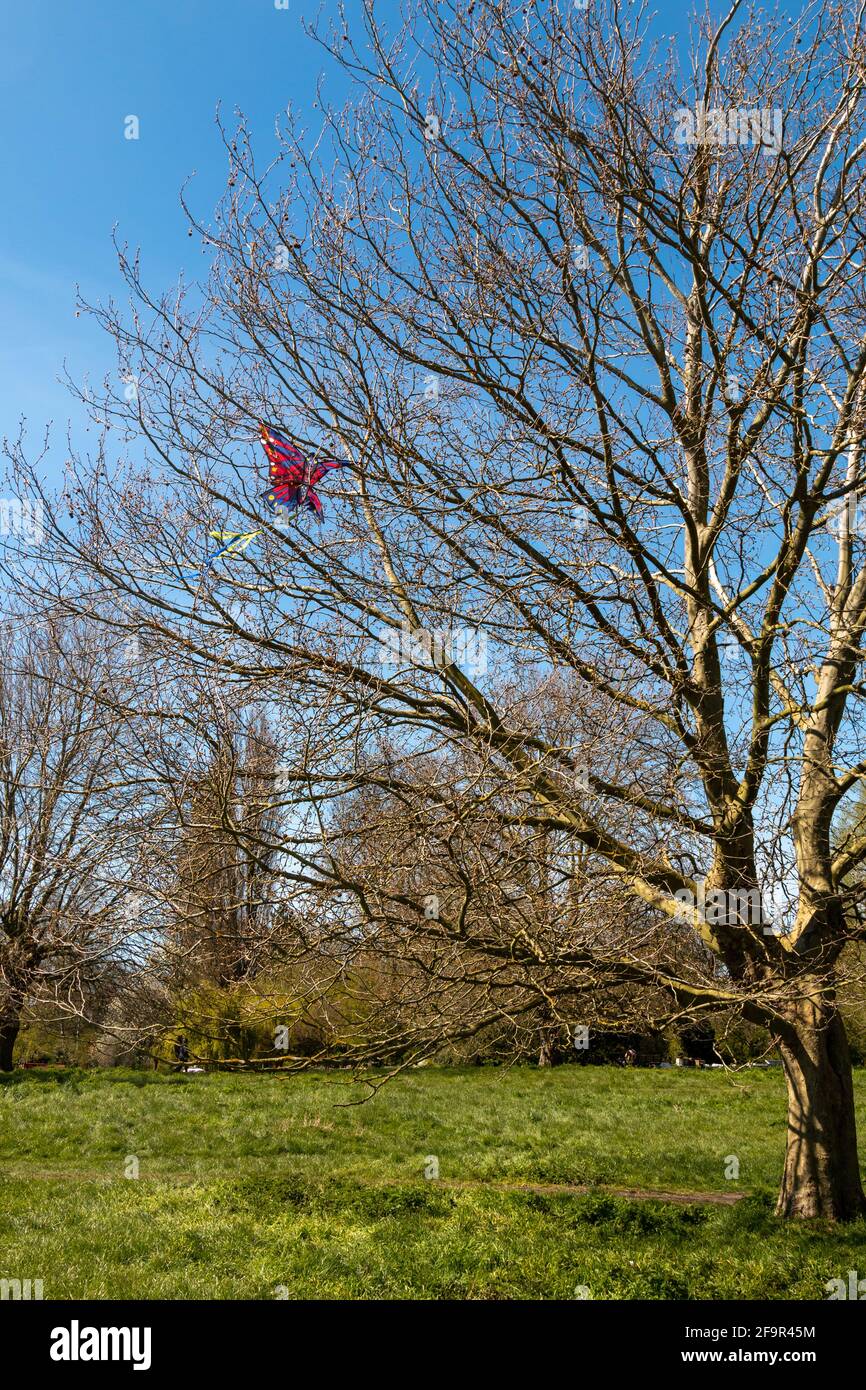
<point>69,75</point>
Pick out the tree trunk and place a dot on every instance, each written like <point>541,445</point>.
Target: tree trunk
<point>545,1050</point>
<point>822,1174</point>
<point>8,1033</point>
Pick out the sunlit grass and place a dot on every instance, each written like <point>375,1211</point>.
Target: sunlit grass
<point>252,1187</point>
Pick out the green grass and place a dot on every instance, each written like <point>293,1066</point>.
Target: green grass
<point>250,1186</point>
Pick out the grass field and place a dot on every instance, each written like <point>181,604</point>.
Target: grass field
<point>265,1187</point>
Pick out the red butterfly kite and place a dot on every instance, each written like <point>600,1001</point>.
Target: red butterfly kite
<point>293,475</point>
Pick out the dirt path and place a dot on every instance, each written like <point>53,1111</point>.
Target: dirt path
<point>563,1189</point>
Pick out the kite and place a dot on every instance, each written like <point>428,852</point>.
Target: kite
<point>293,479</point>
<point>233,543</point>
<point>293,475</point>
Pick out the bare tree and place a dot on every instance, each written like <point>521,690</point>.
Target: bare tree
<point>221,907</point>
<point>70,833</point>
<point>590,327</point>
<point>520,929</point>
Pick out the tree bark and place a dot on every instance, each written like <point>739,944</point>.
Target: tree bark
<point>546,1040</point>
<point>822,1174</point>
<point>8,1034</point>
